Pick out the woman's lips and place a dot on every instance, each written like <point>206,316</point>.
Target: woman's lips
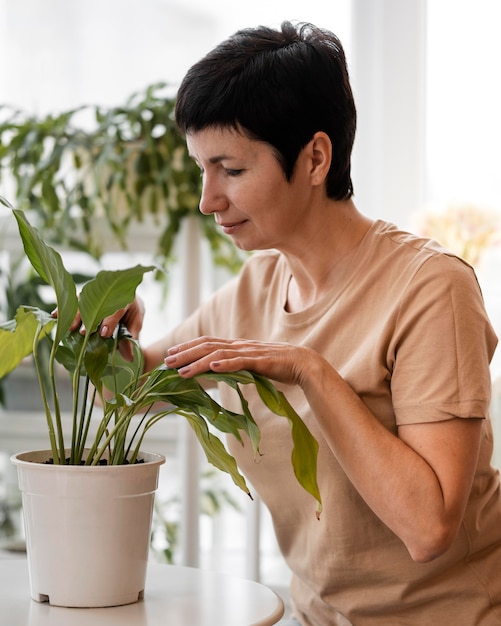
<point>230,229</point>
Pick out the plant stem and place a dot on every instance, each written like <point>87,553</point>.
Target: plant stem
<point>48,414</point>
<point>57,407</point>
<point>76,443</point>
<point>83,438</point>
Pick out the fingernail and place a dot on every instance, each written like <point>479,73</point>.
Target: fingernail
<point>173,350</point>
<point>103,331</point>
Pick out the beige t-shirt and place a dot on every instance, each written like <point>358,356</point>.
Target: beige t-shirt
<point>408,331</point>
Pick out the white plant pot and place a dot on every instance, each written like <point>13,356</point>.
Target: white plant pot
<point>87,529</point>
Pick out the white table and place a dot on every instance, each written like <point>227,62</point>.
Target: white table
<point>174,596</point>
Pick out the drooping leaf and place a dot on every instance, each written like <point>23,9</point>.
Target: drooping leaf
<point>305,446</point>
<point>252,428</point>
<point>305,450</point>
<point>166,385</point>
<point>215,451</point>
<point>17,336</point>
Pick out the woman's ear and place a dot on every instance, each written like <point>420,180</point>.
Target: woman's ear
<point>320,150</point>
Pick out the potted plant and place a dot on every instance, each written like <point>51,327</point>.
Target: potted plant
<point>69,573</point>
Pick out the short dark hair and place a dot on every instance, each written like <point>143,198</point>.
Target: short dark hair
<point>280,87</point>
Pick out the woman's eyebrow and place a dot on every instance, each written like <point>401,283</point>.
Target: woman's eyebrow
<point>216,159</point>
<point>221,157</point>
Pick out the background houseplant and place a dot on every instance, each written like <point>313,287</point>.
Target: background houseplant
<point>92,173</point>
<point>94,363</point>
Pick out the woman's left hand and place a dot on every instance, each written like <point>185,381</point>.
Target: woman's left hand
<point>281,362</point>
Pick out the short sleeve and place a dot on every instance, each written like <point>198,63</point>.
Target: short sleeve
<point>442,346</point>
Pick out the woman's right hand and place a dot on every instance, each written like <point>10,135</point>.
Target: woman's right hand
<point>131,317</point>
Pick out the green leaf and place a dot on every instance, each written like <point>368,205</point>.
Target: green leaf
<point>166,385</point>
<point>96,359</point>
<point>305,446</point>
<point>69,349</point>
<point>215,451</point>
<point>108,292</point>
<point>48,264</point>
<point>121,376</point>
<point>17,336</point>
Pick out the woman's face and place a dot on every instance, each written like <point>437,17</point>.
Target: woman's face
<point>245,189</point>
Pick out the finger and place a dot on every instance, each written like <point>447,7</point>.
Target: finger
<point>109,324</point>
<point>133,317</point>
<point>76,324</point>
<point>219,355</point>
<point>194,343</point>
<point>221,364</point>
<point>194,351</point>
<point>277,361</point>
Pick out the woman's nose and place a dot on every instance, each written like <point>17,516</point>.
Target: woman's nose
<point>212,199</point>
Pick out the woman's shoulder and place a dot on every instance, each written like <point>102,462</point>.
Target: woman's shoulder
<point>417,251</point>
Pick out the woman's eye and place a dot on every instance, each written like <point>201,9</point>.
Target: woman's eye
<point>234,172</point>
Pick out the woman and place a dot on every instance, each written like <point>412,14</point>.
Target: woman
<point>378,338</point>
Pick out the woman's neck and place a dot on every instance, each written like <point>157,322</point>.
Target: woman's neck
<point>316,270</point>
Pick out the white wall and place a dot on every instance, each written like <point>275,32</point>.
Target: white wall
<point>389,39</point>
<point>463,155</point>
<point>55,54</point>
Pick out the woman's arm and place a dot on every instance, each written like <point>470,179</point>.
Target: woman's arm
<point>417,483</point>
